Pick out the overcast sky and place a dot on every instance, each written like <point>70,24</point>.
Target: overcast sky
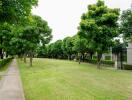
<point>63,16</point>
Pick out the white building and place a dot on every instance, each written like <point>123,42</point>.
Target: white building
<point>129,53</point>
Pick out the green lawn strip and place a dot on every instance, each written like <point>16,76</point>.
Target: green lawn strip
<point>65,80</point>
<point>3,69</point>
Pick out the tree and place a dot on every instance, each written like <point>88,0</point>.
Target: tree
<point>58,52</point>
<point>42,51</point>
<point>50,50</point>
<point>5,37</point>
<point>80,45</point>
<point>14,11</point>
<point>99,26</point>
<point>36,33</point>
<point>126,24</point>
<point>67,47</point>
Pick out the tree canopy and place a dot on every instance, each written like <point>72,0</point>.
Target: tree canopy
<point>15,10</point>
<point>126,24</point>
<point>99,26</point>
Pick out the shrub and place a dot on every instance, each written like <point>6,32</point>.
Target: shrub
<point>107,57</point>
<point>127,67</point>
<point>94,57</point>
<point>105,62</point>
<point>5,61</point>
<point>108,62</point>
<point>93,61</point>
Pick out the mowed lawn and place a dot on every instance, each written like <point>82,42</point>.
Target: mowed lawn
<point>67,80</point>
<point>3,69</point>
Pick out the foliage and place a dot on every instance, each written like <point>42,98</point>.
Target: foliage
<point>104,62</point>
<point>5,36</point>
<point>33,35</point>
<point>41,51</point>
<point>14,11</point>
<point>127,67</point>
<point>107,57</point>
<point>126,24</point>
<point>13,15</point>
<point>94,57</point>
<point>57,48</point>
<point>99,26</point>
<point>80,45</point>
<point>4,62</point>
<point>67,46</point>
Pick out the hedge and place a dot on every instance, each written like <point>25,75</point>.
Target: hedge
<point>105,62</point>
<point>94,57</point>
<point>127,67</point>
<point>108,62</point>
<point>5,61</point>
<point>107,57</point>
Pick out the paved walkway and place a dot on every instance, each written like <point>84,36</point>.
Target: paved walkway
<point>10,85</point>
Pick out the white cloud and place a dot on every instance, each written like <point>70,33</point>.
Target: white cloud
<point>63,16</point>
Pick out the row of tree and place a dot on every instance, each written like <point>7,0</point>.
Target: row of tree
<point>20,31</point>
<point>69,48</point>
<point>97,31</point>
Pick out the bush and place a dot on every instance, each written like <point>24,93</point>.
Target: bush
<point>108,62</point>
<point>5,61</point>
<point>107,57</point>
<point>127,67</point>
<point>105,62</point>
<point>94,57</point>
<point>93,61</point>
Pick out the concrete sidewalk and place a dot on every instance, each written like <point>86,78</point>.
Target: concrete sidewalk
<point>10,85</point>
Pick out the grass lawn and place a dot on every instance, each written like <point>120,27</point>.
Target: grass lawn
<point>3,69</point>
<point>65,80</point>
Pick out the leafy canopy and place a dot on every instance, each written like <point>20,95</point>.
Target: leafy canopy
<point>126,24</point>
<point>99,26</point>
<point>15,10</point>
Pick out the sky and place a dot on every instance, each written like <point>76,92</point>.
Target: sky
<point>64,16</point>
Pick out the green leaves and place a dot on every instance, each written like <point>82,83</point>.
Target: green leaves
<point>15,10</point>
<point>80,45</point>
<point>126,24</point>
<point>99,26</point>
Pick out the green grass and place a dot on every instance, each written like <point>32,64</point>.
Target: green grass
<point>3,69</point>
<point>65,80</point>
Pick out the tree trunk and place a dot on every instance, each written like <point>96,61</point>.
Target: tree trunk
<point>20,57</point>
<point>121,59</point>
<point>91,55</point>
<point>99,56</point>
<point>6,55</point>
<point>31,59</point>
<point>79,60</point>
<point>79,57</point>
<point>1,53</point>
<point>83,57</point>
<point>25,58</point>
<point>76,57</point>
<point>2,56</point>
